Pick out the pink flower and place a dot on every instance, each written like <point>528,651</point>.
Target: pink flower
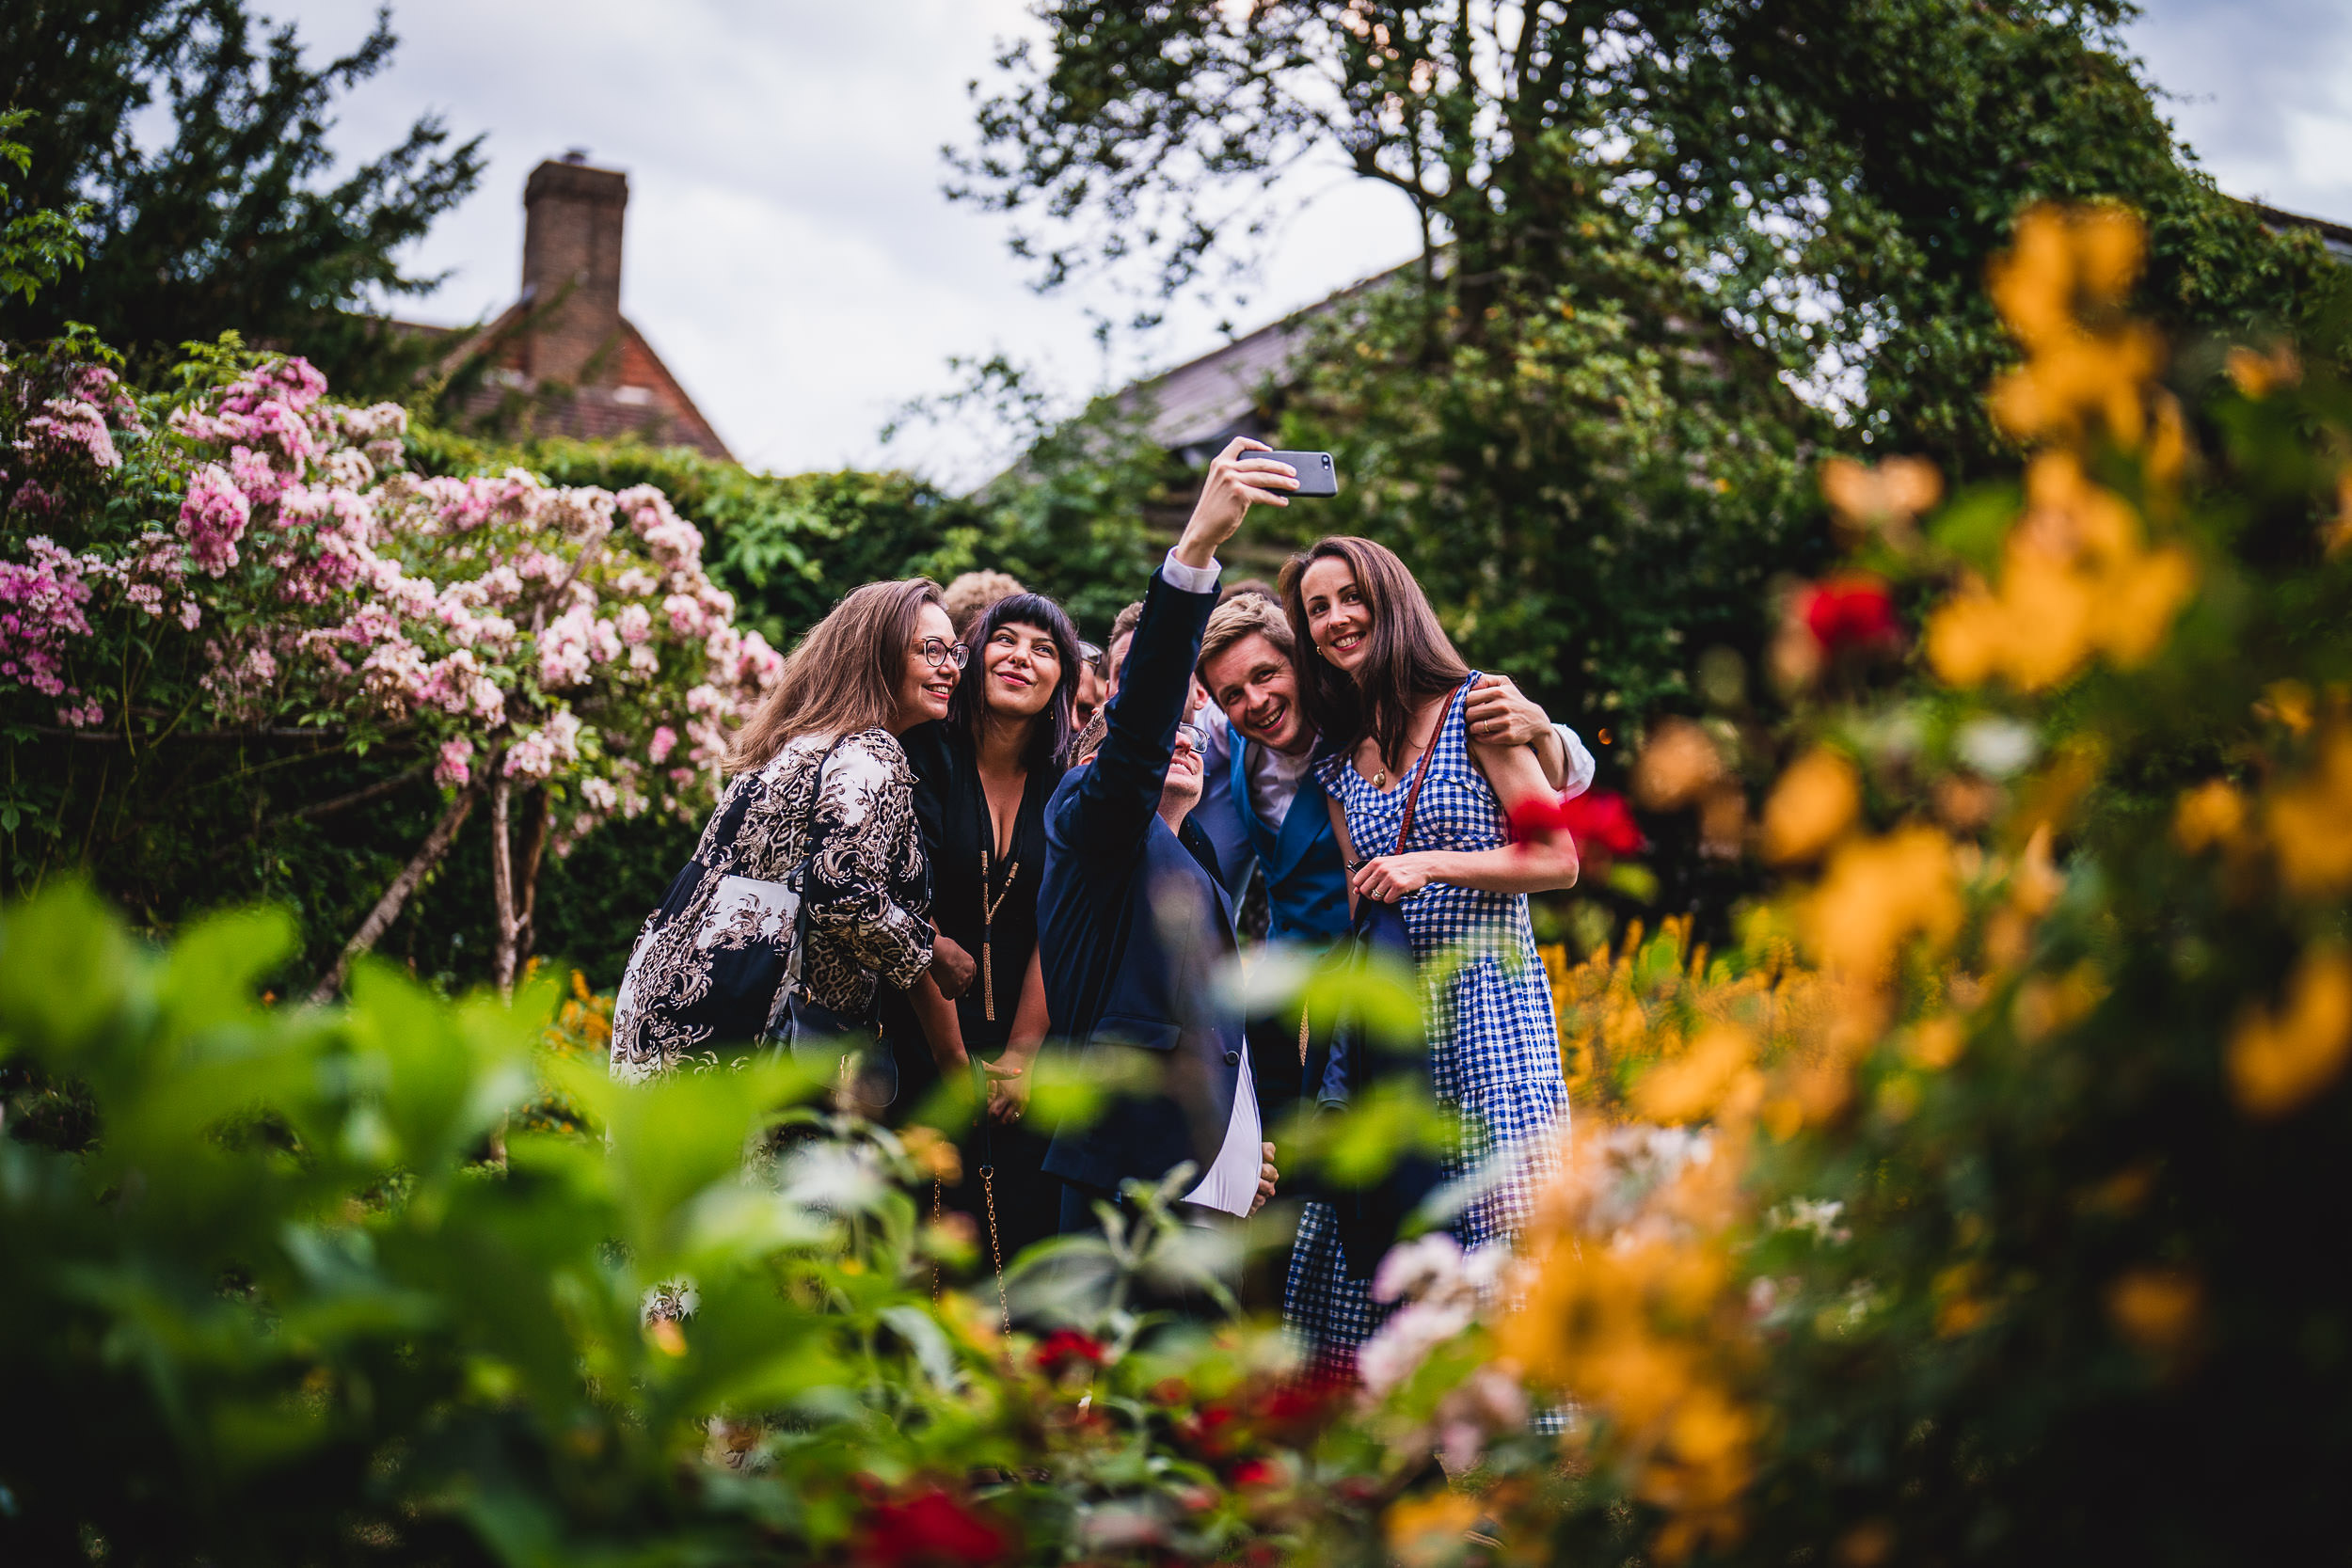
<point>212,518</point>
<point>252,469</point>
<point>189,614</point>
<point>69,425</point>
<point>452,771</point>
<point>82,715</point>
<point>41,607</point>
<point>664,740</point>
<point>635,624</point>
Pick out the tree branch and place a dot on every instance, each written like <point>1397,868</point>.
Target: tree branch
<point>395,897</point>
<point>345,803</point>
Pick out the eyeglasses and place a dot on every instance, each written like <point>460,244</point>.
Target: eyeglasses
<point>937,650</point>
<point>1090,655</point>
<point>1193,737</point>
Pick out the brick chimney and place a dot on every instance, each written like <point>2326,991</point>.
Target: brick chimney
<point>572,266</point>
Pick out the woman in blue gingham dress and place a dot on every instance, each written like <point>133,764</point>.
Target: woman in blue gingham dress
<point>1494,1047</point>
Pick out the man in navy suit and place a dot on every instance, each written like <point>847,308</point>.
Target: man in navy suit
<point>1133,922</point>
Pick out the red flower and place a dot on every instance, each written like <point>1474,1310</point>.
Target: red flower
<point>1850,612</point>
<point>929,1529</point>
<point>1600,822</point>
<point>1254,1472</point>
<point>1212,1432</point>
<point>1066,1347</point>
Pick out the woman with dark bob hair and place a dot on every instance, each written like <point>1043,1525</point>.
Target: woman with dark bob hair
<point>818,832</point>
<point>1384,689</point>
<point>984,777</point>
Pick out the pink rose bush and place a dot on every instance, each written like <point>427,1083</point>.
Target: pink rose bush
<point>565,639</point>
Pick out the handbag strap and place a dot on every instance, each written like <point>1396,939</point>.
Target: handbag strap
<point>1421,768</point>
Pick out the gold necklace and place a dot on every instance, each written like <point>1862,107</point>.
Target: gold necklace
<point>988,921</point>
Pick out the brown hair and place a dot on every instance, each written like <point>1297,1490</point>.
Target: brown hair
<point>968,594</point>
<point>1411,658</point>
<point>1246,615</point>
<point>843,676</point>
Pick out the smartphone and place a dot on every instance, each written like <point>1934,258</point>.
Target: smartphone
<point>1317,475</point>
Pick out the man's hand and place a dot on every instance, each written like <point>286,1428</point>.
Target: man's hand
<point>1236,482</point>
<point>1499,714</point>
<point>952,968</point>
<point>1268,1176</point>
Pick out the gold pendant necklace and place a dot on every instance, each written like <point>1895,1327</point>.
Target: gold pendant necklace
<point>988,922</point>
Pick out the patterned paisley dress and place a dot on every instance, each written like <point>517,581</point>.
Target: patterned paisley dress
<point>700,976</point>
<point>1494,1045</point>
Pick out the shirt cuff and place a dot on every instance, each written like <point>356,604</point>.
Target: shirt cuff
<point>1190,579</point>
<point>1580,768</point>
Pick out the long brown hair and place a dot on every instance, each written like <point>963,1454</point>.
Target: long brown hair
<point>844,674</point>
<point>1411,658</point>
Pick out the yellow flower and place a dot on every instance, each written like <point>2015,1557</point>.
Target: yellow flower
<point>1679,764</point>
<point>933,1154</point>
<point>1879,892</point>
<point>1712,1077</point>
<point>1816,802</point>
<point>2276,1064</point>
<point>2075,581</point>
<point>1423,1532</point>
<point>2257,375</point>
<point>2066,262</point>
<point>2213,813</point>
<point>2310,821</point>
<point>1886,496</point>
<point>2157,1308</point>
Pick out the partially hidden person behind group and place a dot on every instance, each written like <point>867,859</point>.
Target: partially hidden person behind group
<point>982,780</point>
<point>816,835</point>
<point>1383,685</point>
<point>1258,759</point>
<point>1134,924</point>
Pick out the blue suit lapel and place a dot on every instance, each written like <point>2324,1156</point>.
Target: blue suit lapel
<point>1305,822</point>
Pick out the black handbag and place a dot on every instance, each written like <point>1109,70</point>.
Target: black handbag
<point>1371,1218</point>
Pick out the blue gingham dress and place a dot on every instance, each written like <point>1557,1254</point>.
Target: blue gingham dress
<point>1494,1046</point>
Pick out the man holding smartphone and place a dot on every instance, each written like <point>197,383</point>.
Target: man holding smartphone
<point>1133,920</point>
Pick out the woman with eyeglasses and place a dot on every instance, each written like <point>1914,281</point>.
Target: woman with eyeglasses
<point>817,833</point>
<point>983,779</point>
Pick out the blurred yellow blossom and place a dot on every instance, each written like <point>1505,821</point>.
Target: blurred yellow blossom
<point>2066,264</point>
<point>1424,1532</point>
<point>1679,764</point>
<point>2287,701</point>
<point>2156,1309</point>
<point>2077,580</point>
<point>2310,821</point>
<point>1712,1078</point>
<point>2257,375</point>
<point>2277,1063</point>
<point>1814,802</point>
<point>1886,496</point>
<point>933,1154</point>
<point>1879,892</point>
<point>2213,813</point>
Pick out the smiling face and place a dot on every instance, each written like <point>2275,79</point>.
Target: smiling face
<point>1180,791</point>
<point>1253,682</point>
<point>924,687</point>
<point>1020,670</point>
<point>1339,622</point>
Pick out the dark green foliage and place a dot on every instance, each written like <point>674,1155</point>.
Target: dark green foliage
<point>228,226</point>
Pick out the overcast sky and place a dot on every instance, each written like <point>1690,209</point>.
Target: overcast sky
<point>790,254</point>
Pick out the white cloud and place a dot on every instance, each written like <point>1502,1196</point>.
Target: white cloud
<point>2262,91</point>
<point>789,251</point>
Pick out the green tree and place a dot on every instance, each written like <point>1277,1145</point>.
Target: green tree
<point>227,224</point>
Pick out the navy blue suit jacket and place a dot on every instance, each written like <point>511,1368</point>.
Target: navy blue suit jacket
<point>1131,926</point>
